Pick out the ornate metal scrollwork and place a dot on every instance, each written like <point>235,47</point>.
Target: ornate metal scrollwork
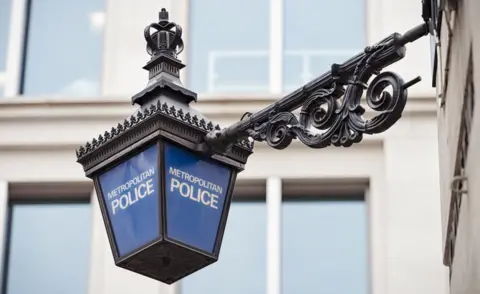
<point>336,112</point>
<point>331,112</point>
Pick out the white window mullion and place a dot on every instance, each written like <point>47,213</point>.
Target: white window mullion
<point>3,223</point>
<point>276,47</point>
<point>274,235</point>
<point>15,47</point>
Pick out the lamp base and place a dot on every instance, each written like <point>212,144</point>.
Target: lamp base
<point>165,261</point>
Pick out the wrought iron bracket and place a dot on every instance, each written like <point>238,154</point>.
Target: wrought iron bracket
<point>330,112</point>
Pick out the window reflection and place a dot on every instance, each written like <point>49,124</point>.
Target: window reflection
<point>228,51</point>
<point>325,37</point>
<point>324,247</point>
<point>5,7</point>
<point>241,266</point>
<point>49,249</point>
<point>64,48</point>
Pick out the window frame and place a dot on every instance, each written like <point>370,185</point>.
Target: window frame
<point>33,193</point>
<point>278,190</point>
<point>275,53</point>
<point>12,77</point>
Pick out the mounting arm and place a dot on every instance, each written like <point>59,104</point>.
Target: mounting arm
<point>331,103</point>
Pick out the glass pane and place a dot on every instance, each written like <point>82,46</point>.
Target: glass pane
<point>329,34</point>
<point>49,249</point>
<point>227,53</point>
<point>324,248</point>
<point>64,47</point>
<point>241,265</point>
<point>5,6</point>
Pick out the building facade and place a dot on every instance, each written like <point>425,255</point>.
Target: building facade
<point>457,62</point>
<point>363,219</point>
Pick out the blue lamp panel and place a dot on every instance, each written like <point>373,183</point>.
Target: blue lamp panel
<point>131,192</point>
<point>196,189</point>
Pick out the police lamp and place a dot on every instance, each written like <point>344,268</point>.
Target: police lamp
<point>164,198</point>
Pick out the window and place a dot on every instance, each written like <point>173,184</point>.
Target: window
<point>236,51</point>
<point>5,6</point>
<point>323,243</point>
<point>318,34</point>
<point>459,183</point>
<point>228,51</point>
<point>63,48</point>
<point>324,247</point>
<point>48,248</point>
<point>241,267</point>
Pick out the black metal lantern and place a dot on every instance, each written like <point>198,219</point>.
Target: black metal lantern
<point>164,198</point>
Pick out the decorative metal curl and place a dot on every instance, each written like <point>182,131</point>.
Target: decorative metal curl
<point>276,132</point>
<point>340,120</point>
<point>164,40</point>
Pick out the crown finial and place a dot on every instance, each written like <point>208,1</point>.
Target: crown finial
<point>164,43</point>
<point>167,39</point>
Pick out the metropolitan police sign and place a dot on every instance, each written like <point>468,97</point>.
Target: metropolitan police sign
<point>165,208</point>
<point>130,191</point>
<point>195,194</point>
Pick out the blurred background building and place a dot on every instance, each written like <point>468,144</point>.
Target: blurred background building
<point>364,219</point>
<point>456,67</point>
